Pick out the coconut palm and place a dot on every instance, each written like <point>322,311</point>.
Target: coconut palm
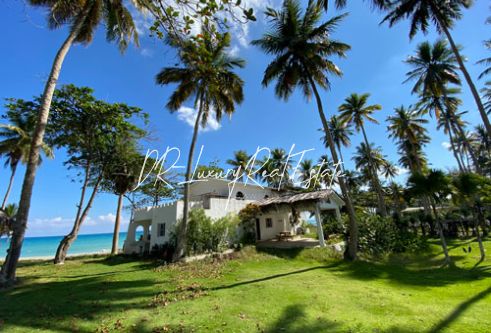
<point>443,14</point>
<point>302,49</point>
<point>306,175</point>
<point>355,111</point>
<point>83,17</point>
<point>275,169</point>
<point>341,133</point>
<point>434,67</point>
<point>17,137</point>
<point>380,4</point>
<point>407,128</point>
<point>240,164</point>
<point>436,186</point>
<point>206,77</point>
<point>468,192</point>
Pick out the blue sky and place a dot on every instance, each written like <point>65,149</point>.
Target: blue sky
<point>373,65</point>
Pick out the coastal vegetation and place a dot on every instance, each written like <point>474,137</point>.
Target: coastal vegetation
<point>409,245</point>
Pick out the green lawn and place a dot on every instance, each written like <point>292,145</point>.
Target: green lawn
<point>255,292</point>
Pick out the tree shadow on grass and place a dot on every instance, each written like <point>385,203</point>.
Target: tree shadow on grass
<point>293,320</point>
<point>402,274</point>
<point>280,253</point>
<point>61,305</point>
<point>459,310</point>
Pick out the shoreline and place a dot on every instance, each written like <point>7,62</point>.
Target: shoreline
<point>70,256</point>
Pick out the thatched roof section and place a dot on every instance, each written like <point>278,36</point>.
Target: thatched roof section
<point>296,198</point>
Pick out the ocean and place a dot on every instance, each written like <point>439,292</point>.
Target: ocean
<point>46,246</point>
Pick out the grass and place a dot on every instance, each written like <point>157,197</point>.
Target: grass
<point>275,291</point>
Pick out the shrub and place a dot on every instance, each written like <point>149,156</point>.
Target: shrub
<point>205,234</point>
<point>379,236</point>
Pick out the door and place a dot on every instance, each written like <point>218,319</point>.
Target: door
<point>258,230</point>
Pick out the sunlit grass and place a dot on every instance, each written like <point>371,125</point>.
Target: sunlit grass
<point>278,291</point>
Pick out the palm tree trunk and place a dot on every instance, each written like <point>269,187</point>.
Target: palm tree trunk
<point>477,222</point>
<point>352,246</point>
<point>7,274</point>
<point>460,131</point>
<point>182,227</point>
<point>11,182</point>
<point>68,240</point>
<point>467,76</point>
<point>341,157</point>
<point>442,236</point>
<point>455,152</point>
<point>117,222</point>
<point>376,182</point>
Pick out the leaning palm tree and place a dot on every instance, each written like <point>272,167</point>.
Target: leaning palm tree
<point>207,78</point>
<point>302,49</point>
<point>443,14</point>
<point>355,111</point>
<point>83,17</point>
<point>16,144</point>
<point>340,134</point>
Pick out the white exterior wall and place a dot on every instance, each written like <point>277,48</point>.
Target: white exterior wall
<point>281,222</point>
<point>221,188</point>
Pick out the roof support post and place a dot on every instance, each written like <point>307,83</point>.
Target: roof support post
<point>320,232</point>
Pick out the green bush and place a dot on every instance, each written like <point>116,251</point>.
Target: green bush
<point>208,235</point>
<point>379,236</point>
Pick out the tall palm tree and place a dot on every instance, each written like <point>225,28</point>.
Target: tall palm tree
<point>302,49</point>
<point>443,14</point>
<point>240,163</point>
<point>408,129</point>
<point>341,133</point>
<point>16,144</point>
<point>83,17</point>
<point>434,67</point>
<point>355,111</point>
<point>436,186</point>
<point>206,77</point>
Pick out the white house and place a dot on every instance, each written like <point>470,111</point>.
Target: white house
<point>219,198</point>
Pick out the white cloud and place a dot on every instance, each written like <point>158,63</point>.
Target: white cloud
<point>110,217</point>
<point>188,115</point>
<point>446,145</point>
<point>146,52</point>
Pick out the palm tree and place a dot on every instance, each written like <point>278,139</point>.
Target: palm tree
<point>486,61</point>
<point>340,134</point>
<point>468,192</point>
<point>380,4</point>
<point>408,129</point>
<point>240,163</point>
<point>434,67</point>
<point>302,49</point>
<point>84,17</point>
<point>442,13</point>
<point>17,141</point>
<point>208,79</point>
<point>307,172</point>
<point>275,169</point>
<point>354,111</point>
<point>434,185</point>
<point>444,107</point>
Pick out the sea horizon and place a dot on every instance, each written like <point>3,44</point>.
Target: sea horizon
<point>45,246</point>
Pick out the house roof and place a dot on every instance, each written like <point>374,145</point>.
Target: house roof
<point>296,198</point>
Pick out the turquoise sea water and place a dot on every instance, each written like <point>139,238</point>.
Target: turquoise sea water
<point>46,246</point>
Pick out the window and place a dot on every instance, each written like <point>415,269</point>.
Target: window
<point>239,196</point>
<point>161,229</point>
<point>269,222</point>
